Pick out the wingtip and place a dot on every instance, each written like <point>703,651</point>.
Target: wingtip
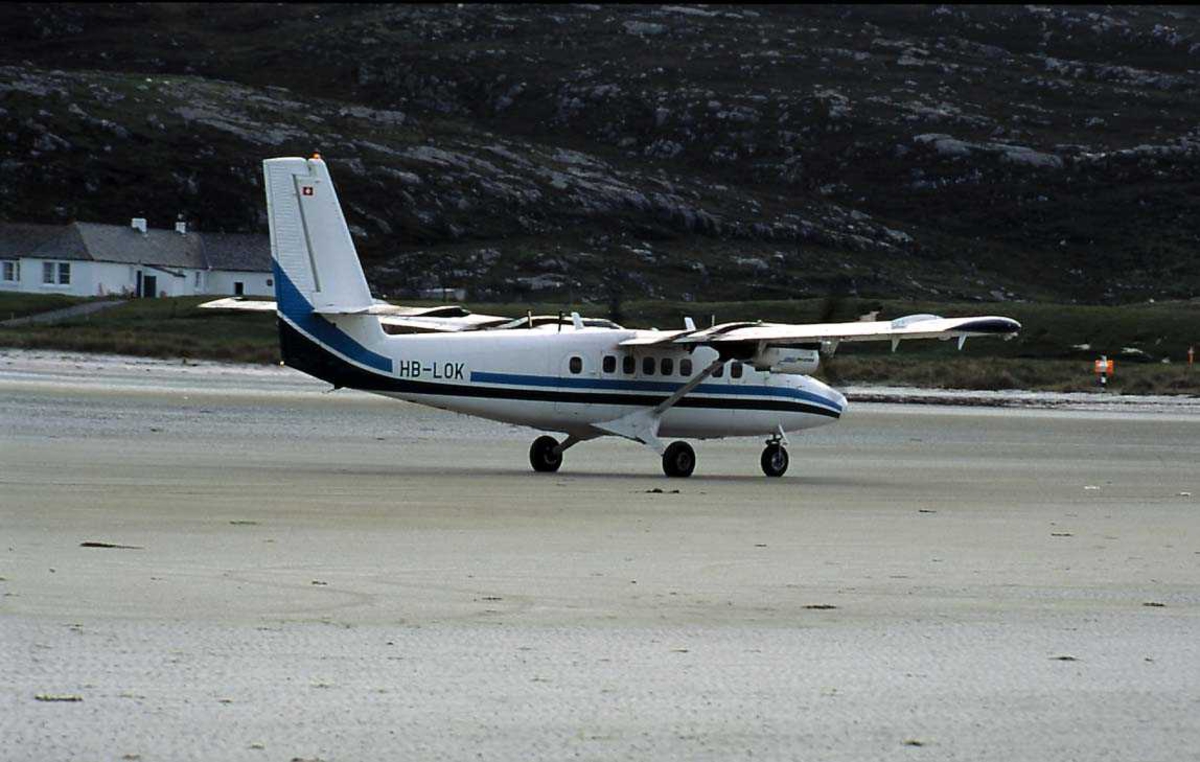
<point>991,325</point>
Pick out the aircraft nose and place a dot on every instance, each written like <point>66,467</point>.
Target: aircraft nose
<point>828,396</point>
<point>839,398</point>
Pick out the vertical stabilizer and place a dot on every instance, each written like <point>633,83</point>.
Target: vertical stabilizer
<point>310,242</point>
<point>321,294</point>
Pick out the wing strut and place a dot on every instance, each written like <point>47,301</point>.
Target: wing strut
<point>642,425</point>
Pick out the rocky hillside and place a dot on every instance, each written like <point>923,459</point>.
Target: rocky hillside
<point>589,152</point>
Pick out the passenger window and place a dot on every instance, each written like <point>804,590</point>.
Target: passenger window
<point>628,365</point>
<point>719,372</point>
<point>647,366</point>
<point>576,365</point>
<point>610,364</point>
<point>668,366</point>
<point>735,371</point>
<point>685,366</point>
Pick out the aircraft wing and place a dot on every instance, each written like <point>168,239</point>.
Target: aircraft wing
<point>423,324</point>
<point>780,334</point>
<point>449,317</point>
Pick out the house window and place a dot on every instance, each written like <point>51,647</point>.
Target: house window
<point>64,273</point>
<point>197,280</point>
<point>719,372</point>
<point>610,364</point>
<point>48,272</point>
<point>685,366</point>
<point>628,365</point>
<point>647,366</point>
<point>11,271</point>
<point>735,370</point>
<point>576,365</point>
<point>668,366</point>
<point>270,283</point>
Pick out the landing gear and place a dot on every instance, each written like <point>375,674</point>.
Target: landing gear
<point>774,459</point>
<point>545,455</point>
<point>679,459</point>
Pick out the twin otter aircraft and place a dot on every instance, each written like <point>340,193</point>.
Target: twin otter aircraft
<point>584,378</point>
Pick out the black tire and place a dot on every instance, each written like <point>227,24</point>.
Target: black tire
<point>774,460</point>
<point>542,456</point>
<point>679,460</point>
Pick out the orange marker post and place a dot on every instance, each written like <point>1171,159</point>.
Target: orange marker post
<point>1104,368</point>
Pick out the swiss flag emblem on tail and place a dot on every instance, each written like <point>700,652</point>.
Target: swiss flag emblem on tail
<point>306,190</point>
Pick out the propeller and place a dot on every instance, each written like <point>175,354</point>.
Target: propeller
<point>827,313</point>
<point>832,310</point>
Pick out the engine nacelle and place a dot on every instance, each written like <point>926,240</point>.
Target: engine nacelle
<point>787,360</point>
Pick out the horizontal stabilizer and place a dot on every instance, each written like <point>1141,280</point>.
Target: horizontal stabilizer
<point>234,303</point>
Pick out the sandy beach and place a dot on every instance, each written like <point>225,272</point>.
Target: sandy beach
<point>300,575</point>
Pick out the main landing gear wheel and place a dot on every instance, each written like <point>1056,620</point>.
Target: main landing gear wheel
<point>542,455</point>
<point>679,459</point>
<point>774,460</point>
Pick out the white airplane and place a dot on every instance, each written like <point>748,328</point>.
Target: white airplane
<point>584,378</point>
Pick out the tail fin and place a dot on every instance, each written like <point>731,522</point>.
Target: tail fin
<point>321,294</point>
<point>311,248</point>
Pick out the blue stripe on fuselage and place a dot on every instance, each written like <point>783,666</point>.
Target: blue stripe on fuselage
<point>291,304</point>
<point>664,387</point>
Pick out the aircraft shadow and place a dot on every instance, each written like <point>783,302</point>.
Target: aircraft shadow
<point>656,480</point>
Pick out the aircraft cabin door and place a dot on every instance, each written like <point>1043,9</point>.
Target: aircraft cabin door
<point>575,369</point>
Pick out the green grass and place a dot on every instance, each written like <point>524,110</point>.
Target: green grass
<point>1000,373</point>
<point>158,328</point>
<point>15,305</point>
<point>1043,357</point>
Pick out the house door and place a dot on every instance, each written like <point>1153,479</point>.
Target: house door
<point>149,286</point>
<point>239,288</point>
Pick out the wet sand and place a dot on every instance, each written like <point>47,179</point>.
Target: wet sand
<point>343,577</point>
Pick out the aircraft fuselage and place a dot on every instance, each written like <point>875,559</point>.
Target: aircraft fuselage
<point>567,380</point>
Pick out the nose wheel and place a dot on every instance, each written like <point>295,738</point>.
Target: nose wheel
<point>545,455</point>
<point>774,459</point>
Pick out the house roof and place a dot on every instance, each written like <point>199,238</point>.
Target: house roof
<point>21,239</point>
<point>165,248</point>
<point>126,245</point>
<point>237,251</point>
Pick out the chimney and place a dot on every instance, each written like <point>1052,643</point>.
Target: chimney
<point>181,228</point>
<point>139,224</point>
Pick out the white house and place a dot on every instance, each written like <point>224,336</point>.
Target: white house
<point>89,259</point>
